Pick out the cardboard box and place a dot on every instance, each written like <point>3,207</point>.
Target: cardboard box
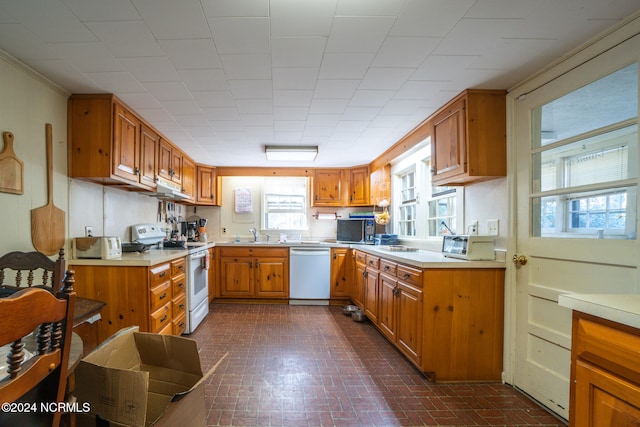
<point>141,379</point>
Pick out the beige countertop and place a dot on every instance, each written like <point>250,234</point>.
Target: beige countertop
<point>144,259</point>
<point>620,308</point>
<point>420,258</point>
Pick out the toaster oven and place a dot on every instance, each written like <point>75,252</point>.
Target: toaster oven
<point>470,248</point>
<point>101,247</point>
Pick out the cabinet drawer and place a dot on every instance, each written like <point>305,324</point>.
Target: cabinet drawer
<point>178,285</point>
<point>178,266</point>
<point>179,306</point>
<point>388,267</point>
<point>161,318</point>
<point>167,330</point>
<point>159,273</point>
<point>179,325</point>
<point>160,295</point>
<point>609,345</point>
<point>361,257</point>
<point>410,275</point>
<point>373,261</point>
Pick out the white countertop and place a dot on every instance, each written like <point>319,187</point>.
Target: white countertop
<point>620,308</point>
<point>426,259</point>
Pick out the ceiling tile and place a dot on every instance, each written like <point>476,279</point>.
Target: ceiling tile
<point>151,69</point>
<point>257,120</point>
<point>371,98</point>
<point>211,79</point>
<point>369,7</point>
<point>163,17</point>
<point>182,107</point>
<point>385,78</point>
<point>345,65</point>
<point>290,113</point>
<point>358,34</point>
<point>335,88</point>
<point>404,51</point>
<point>66,75</point>
<point>256,66</point>
<point>294,78</point>
<point>87,56</point>
<point>191,54</point>
<point>126,38</point>
<point>301,18</point>
<point>328,106</point>
<point>430,18</point>
<point>289,125</point>
<point>255,106</point>
<point>213,98</point>
<point>116,81</point>
<point>219,8</point>
<point>292,98</point>
<point>251,89</point>
<point>240,35</point>
<point>221,113</point>
<point>166,91</point>
<point>360,113</point>
<point>100,10</point>
<point>297,52</point>
<point>323,119</point>
<point>141,100</point>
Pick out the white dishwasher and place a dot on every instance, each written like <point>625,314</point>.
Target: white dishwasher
<point>309,275</point>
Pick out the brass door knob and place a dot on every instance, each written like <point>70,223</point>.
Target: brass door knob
<point>519,259</point>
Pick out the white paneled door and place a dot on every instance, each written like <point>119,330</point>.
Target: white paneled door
<point>576,174</point>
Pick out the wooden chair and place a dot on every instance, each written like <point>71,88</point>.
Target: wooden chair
<point>36,319</point>
<point>28,269</point>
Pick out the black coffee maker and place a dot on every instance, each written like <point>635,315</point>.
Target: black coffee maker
<point>190,230</point>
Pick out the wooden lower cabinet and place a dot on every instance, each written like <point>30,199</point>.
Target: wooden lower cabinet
<point>605,373</point>
<point>135,295</point>
<point>340,274</point>
<point>246,272</point>
<point>446,321</point>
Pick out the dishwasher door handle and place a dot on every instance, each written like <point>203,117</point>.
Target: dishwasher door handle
<point>310,251</point>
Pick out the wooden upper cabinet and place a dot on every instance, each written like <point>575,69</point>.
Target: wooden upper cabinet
<point>189,178</point>
<point>149,143</point>
<point>468,141</point>
<point>207,186</point>
<point>380,185</point>
<point>327,187</point>
<point>359,186</point>
<point>170,162</point>
<point>107,144</point>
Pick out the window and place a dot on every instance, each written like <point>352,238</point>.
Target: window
<point>419,208</point>
<point>585,160</point>
<point>407,219</point>
<point>285,203</point>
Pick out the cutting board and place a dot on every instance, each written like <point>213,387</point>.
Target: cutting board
<point>11,168</point>
<point>47,222</point>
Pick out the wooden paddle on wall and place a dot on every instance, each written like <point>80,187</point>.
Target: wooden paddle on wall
<point>11,178</point>
<point>47,222</point>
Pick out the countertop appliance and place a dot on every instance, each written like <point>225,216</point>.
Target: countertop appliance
<point>309,277</point>
<point>189,229</point>
<point>100,247</point>
<point>358,230</point>
<point>470,248</point>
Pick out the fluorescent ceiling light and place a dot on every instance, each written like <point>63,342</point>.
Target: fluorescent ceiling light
<point>290,152</point>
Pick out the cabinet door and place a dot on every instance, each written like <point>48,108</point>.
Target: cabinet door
<point>206,186</point>
<point>371,295</point>
<point>327,187</point>
<point>126,145</point>
<point>604,399</point>
<point>448,145</point>
<point>388,306</point>
<point>271,277</point>
<point>149,142</point>
<point>164,159</point>
<point>188,178</point>
<point>359,186</point>
<point>236,277</point>
<point>357,294</point>
<point>409,331</point>
<point>339,273</point>
<point>176,166</point>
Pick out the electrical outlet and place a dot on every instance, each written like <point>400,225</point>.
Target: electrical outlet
<point>473,228</point>
<point>88,231</point>
<point>493,227</point>
<point>224,229</point>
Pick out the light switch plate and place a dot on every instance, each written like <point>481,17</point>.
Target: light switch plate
<point>493,227</point>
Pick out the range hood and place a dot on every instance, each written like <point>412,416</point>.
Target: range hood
<point>167,190</point>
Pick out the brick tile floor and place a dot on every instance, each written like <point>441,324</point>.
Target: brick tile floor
<point>314,366</point>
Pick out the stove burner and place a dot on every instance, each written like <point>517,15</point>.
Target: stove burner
<point>174,244</point>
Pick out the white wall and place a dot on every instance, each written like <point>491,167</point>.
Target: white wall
<point>28,102</point>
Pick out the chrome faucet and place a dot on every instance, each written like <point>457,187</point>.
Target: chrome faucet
<point>255,234</point>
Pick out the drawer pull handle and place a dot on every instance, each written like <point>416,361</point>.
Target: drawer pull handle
<point>164,273</point>
<point>386,268</point>
<point>163,318</point>
<point>406,275</point>
<point>181,285</point>
<point>181,306</point>
<point>181,267</point>
<point>163,296</point>
<point>182,324</point>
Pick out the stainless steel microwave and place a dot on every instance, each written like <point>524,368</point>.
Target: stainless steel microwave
<point>358,230</point>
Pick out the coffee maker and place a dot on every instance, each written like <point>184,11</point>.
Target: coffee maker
<point>189,229</point>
